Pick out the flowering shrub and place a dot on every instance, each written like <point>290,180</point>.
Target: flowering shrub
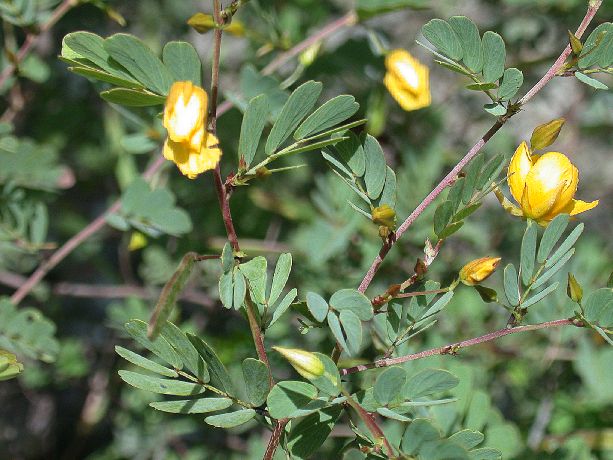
<point>337,340</point>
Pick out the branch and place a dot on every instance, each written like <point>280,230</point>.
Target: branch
<point>32,38</point>
<point>453,348</point>
<point>449,178</point>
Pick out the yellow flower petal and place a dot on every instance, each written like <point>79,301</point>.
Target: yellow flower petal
<point>578,206</point>
<point>192,162</point>
<point>407,80</point>
<point>518,170</point>
<point>185,111</point>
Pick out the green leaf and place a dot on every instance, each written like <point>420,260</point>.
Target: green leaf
<point>528,252</point>
<point>467,32</point>
<point>354,300</point>
<point>335,326</point>
<point>159,346</point>
<point>388,195</point>
<point>353,331</point>
<point>139,60</point>
<point>131,97</point>
<point>546,134</point>
<point>598,47</point>
<point>455,193</point>
<point>511,82</point>
<point>219,375</point>
<point>568,243</point>
<point>419,432</point>
<point>487,294</point>
<point>450,230</point>
<point>91,47</point>
<point>171,291</point>
<point>192,406</point>
<point>490,171</point>
<point>89,72</point>
<point>441,35</point>
<point>495,109</point>
<point>226,289</point>
<point>352,153</point>
<point>227,258</point>
<point>438,305</point>
<point>552,234</point>
<point>494,56</point>
<point>257,380</point>
<point>442,216</point>
<point>240,289</point>
<point>427,382</point>
<point>161,386</point>
<point>597,84</point>
<point>230,419</point>
<point>283,305</point>
<point>546,275</point>
<point>182,60</point>
<point>375,167</point>
<point>472,172</point>
<point>256,275</point>
<point>317,306</point>
<point>539,296</point>
<point>389,384</point>
<point>252,127</point>
<point>598,307</point>
<point>145,363</point>
<point>481,86</point>
<point>330,381</point>
<point>292,398</point>
<point>186,351</point>
<point>485,453</point>
<point>511,286</point>
<point>280,277</point>
<point>453,67</point>
<point>330,114</point>
<point>298,105</point>
<point>310,433</point>
<point>467,211</point>
<point>253,84</point>
<point>467,438</point>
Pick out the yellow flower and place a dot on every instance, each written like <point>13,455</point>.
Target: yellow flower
<point>407,80</point>
<point>189,145</point>
<point>306,363</point>
<point>478,270</point>
<point>545,185</point>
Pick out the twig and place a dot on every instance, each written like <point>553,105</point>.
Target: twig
<point>70,245</point>
<point>32,38</point>
<point>370,422</point>
<point>453,348</point>
<point>449,178</point>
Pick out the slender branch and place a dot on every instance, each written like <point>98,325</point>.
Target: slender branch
<point>453,348</point>
<point>419,293</point>
<point>449,178</point>
<point>32,38</point>
<point>70,245</point>
<point>370,422</point>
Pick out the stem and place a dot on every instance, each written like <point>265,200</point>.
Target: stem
<point>455,347</point>
<point>449,178</point>
<point>32,38</point>
<point>370,422</point>
<point>418,293</point>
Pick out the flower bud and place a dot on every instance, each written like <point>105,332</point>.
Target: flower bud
<point>478,270</point>
<point>384,215</point>
<point>306,363</point>
<point>573,289</point>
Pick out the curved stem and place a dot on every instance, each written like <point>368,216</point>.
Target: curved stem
<point>449,178</point>
<point>453,348</point>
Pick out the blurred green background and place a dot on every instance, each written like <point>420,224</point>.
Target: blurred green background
<point>547,394</point>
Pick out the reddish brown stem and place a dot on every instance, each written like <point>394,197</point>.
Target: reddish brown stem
<point>455,347</point>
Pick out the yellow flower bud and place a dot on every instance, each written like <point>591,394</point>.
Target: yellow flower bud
<point>478,270</point>
<point>306,363</point>
<point>545,185</point>
<point>407,80</point>
<point>189,145</point>
<point>384,215</point>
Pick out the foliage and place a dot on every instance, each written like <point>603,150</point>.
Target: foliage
<point>208,277</point>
